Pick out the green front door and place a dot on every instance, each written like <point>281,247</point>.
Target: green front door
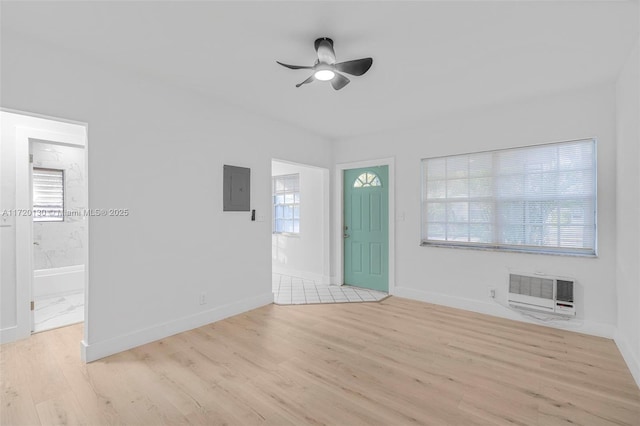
<point>366,227</point>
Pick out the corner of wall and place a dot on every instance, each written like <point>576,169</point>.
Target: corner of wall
<point>627,335</point>
<point>305,275</point>
<point>633,363</point>
<point>94,351</point>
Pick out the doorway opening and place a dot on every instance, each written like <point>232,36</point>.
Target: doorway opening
<point>58,197</point>
<point>44,224</point>
<point>300,243</point>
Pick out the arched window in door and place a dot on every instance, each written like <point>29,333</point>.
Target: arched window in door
<point>366,180</point>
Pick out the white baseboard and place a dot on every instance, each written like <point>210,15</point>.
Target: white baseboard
<point>497,310</point>
<point>629,356</point>
<point>8,334</point>
<point>311,276</point>
<point>97,350</point>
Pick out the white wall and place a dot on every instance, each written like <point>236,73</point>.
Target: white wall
<point>8,290</point>
<point>306,254</point>
<point>628,212</point>
<point>159,152</point>
<point>459,277</point>
<point>63,243</point>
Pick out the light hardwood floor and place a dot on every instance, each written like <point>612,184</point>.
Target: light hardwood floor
<point>395,362</point>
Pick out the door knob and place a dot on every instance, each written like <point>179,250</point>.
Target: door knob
<point>346,235</point>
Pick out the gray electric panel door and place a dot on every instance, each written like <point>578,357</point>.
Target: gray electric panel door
<point>236,191</point>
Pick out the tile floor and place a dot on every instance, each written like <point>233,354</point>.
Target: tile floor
<point>58,311</point>
<point>290,290</point>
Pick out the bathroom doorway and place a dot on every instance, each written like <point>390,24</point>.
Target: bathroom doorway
<point>59,204</point>
<point>44,224</point>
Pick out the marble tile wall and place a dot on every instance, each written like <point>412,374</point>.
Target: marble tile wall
<point>59,244</point>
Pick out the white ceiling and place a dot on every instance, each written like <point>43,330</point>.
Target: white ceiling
<point>429,57</point>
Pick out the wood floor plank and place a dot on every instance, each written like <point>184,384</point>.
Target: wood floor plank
<point>40,366</point>
<point>396,362</point>
<point>17,405</point>
<point>63,409</point>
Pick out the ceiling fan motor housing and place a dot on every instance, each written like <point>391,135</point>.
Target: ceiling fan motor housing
<point>324,48</point>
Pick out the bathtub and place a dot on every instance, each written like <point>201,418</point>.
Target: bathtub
<point>67,279</point>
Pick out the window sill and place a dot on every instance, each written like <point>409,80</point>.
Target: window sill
<point>509,250</point>
<point>286,234</point>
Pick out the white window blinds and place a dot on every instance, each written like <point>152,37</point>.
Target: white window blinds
<point>48,195</point>
<point>539,198</point>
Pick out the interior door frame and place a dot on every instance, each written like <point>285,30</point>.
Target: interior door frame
<point>339,217</point>
<point>326,227</point>
<point>75,136</point>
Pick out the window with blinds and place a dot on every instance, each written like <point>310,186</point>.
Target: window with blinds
<point>286,204</point>
<point>48,195</point>
<point>536,199</point>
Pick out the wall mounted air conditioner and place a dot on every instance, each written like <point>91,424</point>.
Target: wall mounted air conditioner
<point>542,293</point>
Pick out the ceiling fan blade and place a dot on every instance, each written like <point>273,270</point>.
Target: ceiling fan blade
<point>339,81</point>
<point>356,67</point>
<point>295,67</point>
<point>309,80</point>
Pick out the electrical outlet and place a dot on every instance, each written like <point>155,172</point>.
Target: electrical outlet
<point>203,298</point>
<point>492,292</point>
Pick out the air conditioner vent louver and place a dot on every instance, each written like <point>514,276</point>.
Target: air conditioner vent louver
<point>531,286</point>
<point>541,293</point>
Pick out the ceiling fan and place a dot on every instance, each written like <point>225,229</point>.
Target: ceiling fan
<point>326,68</point>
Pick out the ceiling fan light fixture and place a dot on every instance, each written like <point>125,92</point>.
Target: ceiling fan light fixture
<point>324,75</point>
<point>326,68</point>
